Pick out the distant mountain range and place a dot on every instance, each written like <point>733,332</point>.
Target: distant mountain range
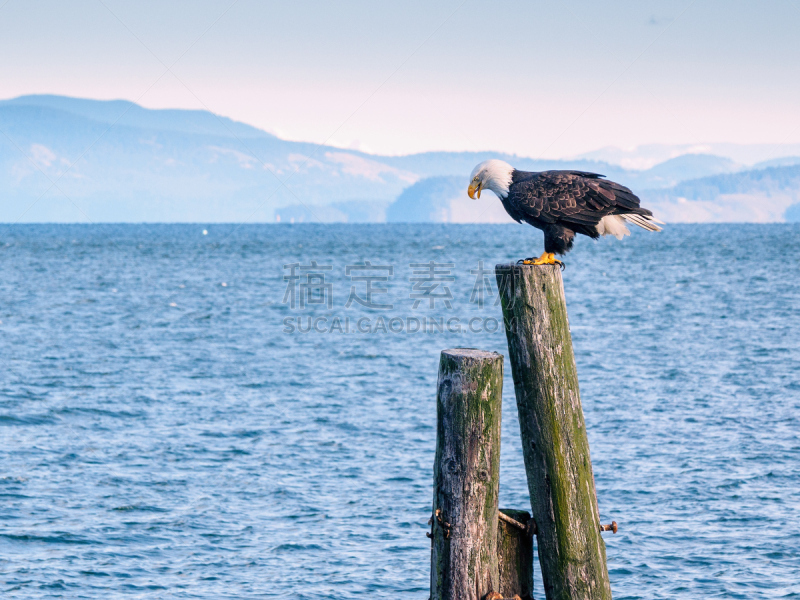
<point>751,156</point>
<point>69,159</point>
<point>757,196</point>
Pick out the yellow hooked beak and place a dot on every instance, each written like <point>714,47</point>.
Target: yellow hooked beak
<point>474,191</point>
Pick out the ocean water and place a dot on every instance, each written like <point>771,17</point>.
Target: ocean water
<point>170,428</point>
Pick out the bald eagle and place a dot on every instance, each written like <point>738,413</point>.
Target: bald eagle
<point>561,204</point>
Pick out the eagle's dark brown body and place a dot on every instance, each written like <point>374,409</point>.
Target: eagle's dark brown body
<point>563,203</point>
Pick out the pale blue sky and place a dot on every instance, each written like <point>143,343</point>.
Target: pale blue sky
<point>546,79</point>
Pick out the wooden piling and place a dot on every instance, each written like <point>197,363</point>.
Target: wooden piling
<point>466,475</point>
<point>515,554</point>
<point>554,442</point>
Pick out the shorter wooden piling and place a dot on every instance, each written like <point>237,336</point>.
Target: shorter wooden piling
<point>466,475</point>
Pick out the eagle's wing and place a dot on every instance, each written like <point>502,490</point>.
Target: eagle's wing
<point>575,199</point>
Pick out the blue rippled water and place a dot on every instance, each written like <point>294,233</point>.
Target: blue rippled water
<point>163,435</point>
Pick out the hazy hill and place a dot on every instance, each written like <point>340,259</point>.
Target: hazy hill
<point>71,159</point>
<point>113,161</point>
<point>751,156</point>
<point>129,114</point>
<point>688,166</point>
<point>758,195</point>
<point>445,200</point>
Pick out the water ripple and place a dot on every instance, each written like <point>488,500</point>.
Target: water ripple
<point>198,451</point>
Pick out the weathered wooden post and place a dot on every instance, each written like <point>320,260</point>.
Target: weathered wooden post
<point>466,475</point>
<point>515,554</point>
<point>554,443</point>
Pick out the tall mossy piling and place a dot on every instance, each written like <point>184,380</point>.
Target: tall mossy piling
<point>554,442</point>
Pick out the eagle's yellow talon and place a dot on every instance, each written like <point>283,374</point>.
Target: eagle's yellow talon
<point>547,258</point>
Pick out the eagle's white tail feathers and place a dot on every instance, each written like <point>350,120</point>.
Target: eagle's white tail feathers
<point>613,225</point>
<point>644,221</point>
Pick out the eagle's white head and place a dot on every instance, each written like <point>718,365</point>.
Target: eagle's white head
<point>491,174</point>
